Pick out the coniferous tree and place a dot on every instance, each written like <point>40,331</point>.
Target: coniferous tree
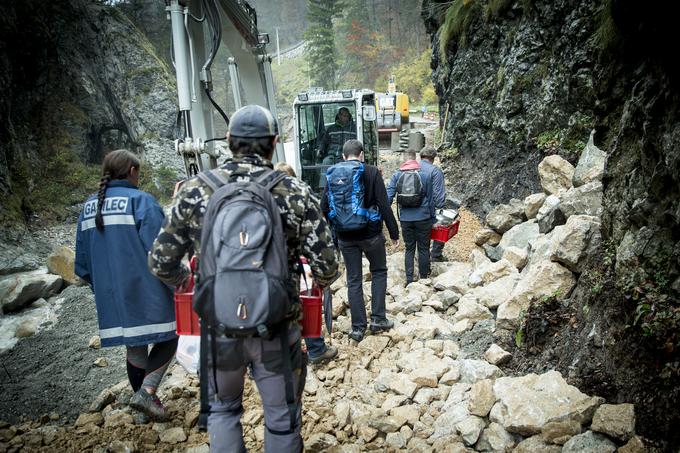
<point>320,53</point>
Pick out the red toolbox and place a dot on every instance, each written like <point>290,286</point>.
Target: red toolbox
<point>312,303</point>
<point>186,317</point>
<point>444,233</point>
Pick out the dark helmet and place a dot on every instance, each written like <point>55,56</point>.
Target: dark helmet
<point>253,121</point>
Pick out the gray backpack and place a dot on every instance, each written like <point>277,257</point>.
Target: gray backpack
<point>409,189</point>
<point>243,287</point>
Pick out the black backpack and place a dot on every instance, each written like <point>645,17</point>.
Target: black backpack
<point>409,189</point>
<point>243,287</point>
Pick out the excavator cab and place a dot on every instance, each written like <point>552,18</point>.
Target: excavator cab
<point>324,121</point>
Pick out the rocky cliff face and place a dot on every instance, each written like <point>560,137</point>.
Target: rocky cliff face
<point>529,79</point>
<point>78,77</point>
<point>515,86</point>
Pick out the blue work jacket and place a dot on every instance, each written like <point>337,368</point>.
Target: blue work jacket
<point>426,210</point>
<point>134,308</point>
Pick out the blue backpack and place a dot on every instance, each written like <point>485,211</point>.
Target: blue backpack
<point>345,182</point>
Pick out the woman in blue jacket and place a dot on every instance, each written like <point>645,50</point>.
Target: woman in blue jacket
<point>115,231</point>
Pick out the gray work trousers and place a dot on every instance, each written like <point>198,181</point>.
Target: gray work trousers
<point>265,358</point>
<point>374,249</point>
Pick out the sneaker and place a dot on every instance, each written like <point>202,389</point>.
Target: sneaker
<point>331,352</point>
<point>149,404</point>
<point>381,325</point>
<point>356,335</point>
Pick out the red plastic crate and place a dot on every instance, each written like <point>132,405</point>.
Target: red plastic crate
<point>187,319</point>
<point>444,233</point>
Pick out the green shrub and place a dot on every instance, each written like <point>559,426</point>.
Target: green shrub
<point>159,182</point>
<point>457,21</point>
<point>495,8</point>
<point>607,37</point>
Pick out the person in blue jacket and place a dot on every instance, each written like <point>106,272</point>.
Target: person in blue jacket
<point>115,232</point>
<point>416,222</point>
<point>427,156</point>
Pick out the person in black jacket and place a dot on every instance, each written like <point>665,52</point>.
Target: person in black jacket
<point>369,241</point>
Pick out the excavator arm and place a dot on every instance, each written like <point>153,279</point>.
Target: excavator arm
<point>199,27</point>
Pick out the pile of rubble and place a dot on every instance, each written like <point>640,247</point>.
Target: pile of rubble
<point>434,382</point>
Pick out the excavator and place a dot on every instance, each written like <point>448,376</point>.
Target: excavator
<point>392,110</point>
<point>199,27</point>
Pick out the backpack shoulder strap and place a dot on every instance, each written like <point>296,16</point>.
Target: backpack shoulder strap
<point>276,177</point>
<point>213,179</point>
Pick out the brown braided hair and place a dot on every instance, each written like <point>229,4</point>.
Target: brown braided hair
<point>116,165</point>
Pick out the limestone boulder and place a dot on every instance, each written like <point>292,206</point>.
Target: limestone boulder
<point>591,164</point>
<point>62,262</point>
<point>455,278</point>
<point>583,200</point>
<point>589,442</point>
<point>517,256</point>
<point>555,174</point>
<point>550,214</point>
<point>424,326</point>
<point>495,438</point>
<point>505,216</point>
<point>482,398</point>
<point>526,404</point>
<point>615,420</point>
<point>19,290</point>
<point>490,272</point>
<point>519,236</point>
<point>544,279</point>
<point>469,308</point>
<point>576,242</point>
<point>487,236</point>
<point>495,293</point>
<point>532,204</point>
<point>497,355</point>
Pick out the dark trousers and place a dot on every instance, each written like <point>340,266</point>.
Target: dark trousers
<point>316,347</point>
<point>374,249</point>
<point>437,250</point>
<point>417,234</point>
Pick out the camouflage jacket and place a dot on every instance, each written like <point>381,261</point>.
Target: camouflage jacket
<point>306,231</point>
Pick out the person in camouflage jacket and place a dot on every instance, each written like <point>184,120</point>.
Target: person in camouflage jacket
<point>252,136</point>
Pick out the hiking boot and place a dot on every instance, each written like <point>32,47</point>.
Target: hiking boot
<point>381,325</point>
<point>140,418</point>
<point>356,334</point>
<point>438,259</point>
<point>150,405</point>
<point>331,352</point>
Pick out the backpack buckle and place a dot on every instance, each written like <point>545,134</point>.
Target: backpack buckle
<point>242,311</point>
<point>262,331</point>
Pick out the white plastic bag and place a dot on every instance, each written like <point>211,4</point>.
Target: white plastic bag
<point>188,352</point>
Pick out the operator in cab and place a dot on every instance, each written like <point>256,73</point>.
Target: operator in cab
<point>330,148</point>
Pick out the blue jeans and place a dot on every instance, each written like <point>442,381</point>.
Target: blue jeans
<point>374,249</point>
<point>315,347</point>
